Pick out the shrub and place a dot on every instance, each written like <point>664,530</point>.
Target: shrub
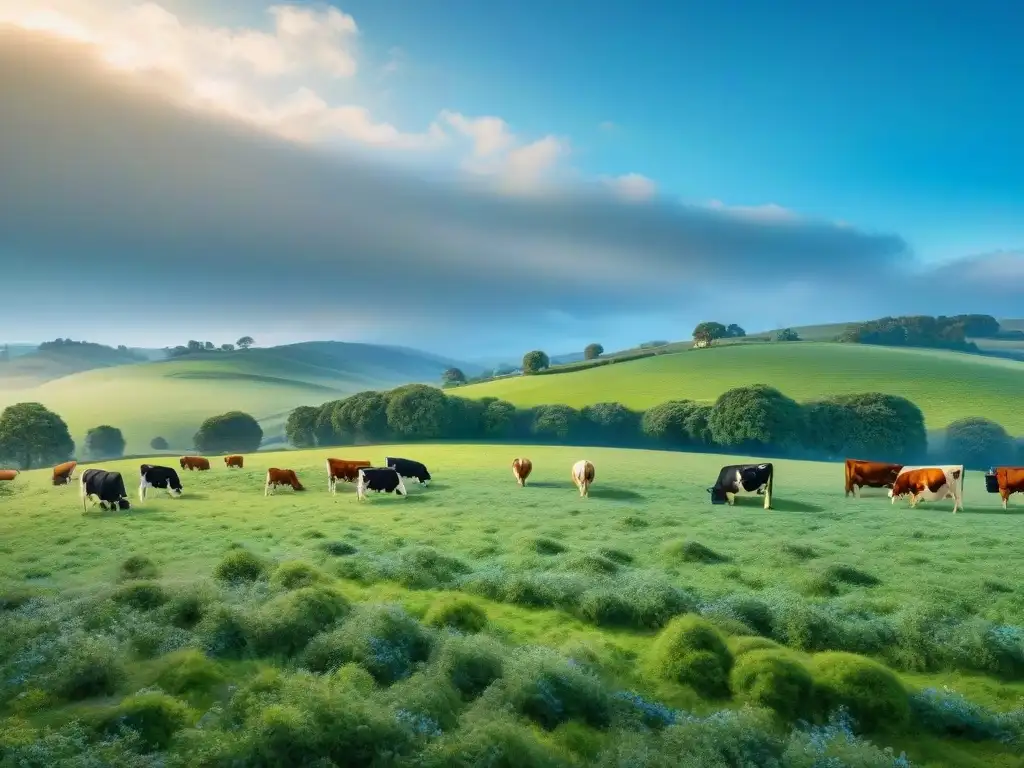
<point>240,565</point>
<point>592,564</point>
<point>425,567</point>
<point>847,574</point>
<point>616,555</point>
<point>142,595</point>
<point>978,443</point>
<point>223,631</point>
<point>948,713</point>
<point>884,425</point>
<point>188,670</point>
<point>418,412</point>
<point>186,607</point>
<point>457,612</point>
<point>104,442</point>
<point>159,444</point>
<point>384,639</point>
<point>86,666</point>
<point>759,416</point>
<point>338,548</point>
<point>285,624</point>
<point>694,552</point>
<point>873,694</point>
<point>689,650</point>
<point>233,431</point>
<point>498,743</point>
<point>137,567</point>
<point>547,689</point>
<point>155,716</point>
<point>775,680</point>
<point>555,422</point>
<point>742,645</point>
<point>426,702</point>
<point>470,663</point>
<point>294,574</point>
<point>545,546</point>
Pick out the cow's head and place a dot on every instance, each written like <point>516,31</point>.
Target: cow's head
<point>124,504</point>
<point>175,488</point>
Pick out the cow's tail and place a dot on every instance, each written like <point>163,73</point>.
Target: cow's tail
<point>769,488</point>
<point>81,483</point>
<point>849,477</point>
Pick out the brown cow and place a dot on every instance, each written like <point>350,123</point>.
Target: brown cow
<point>1011,480</point>
<point>930,484</point>
<point>276,477</point>
<point>869,474</point>
<point>583,476</point>
<point>233,461</point>
<point>8,474</point>
<point>64,473</point>
<point>197,463</point>
<point>521,469</point>
<point>343,469</point>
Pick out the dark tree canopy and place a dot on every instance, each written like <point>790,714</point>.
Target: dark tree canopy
<point>787,334</point>
<point>159,444</point>
<point>245,342</point>
<point>884,427</point>
<point>499,419</point>
<point>555,422</point>
<point>707,332</point>
<point>453,376</point>
<point>363,417</point>
<point>535,361</point>
<point>758,415</point>
<point>978,443</point>
<point>299,427</point>
<point>104,442</point>
<point>33,436</point>
<point>734,331</point>
<point>677,422</point>
<point>230,432</point>
<point>593,351</point>
<point>417,412</point>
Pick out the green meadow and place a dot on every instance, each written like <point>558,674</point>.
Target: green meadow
<point>480,623</point>
<point>945,385</point>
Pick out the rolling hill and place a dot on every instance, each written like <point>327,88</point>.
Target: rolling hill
<point>34,367</point>
<point>945,385</point>
<point>170,398</point>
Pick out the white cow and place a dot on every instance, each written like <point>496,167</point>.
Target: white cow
<point>933,483</point>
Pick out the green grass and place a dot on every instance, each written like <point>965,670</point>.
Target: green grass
<point>647,512</point>
<point>945,385</point>
<point>172,398</point>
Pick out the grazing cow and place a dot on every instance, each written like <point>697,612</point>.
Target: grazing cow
<point>64,473</point>
<point>151,476</point>
<point>233,461</point>
<point>1009,480</point>
<point>930,484</point>
<point>343,469</point>
<point>409,469</point>
<point>869,474</point>
<point>521,469</point>
<point>198,463</point>
<point>583,476</point>
<point>107,487</point>
<point>276,477</point>
<point>8,474</point>
<point>736,479</point>
<point>380,480</point>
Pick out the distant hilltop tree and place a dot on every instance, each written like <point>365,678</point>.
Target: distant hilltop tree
<point>653,344</point>
<point>708,332</point>
<point>787,334</point>
<point>535,361</point>
<point>60,345</point>
<point>196,347</point>
<point>734,331</point>
<point>593,351</point>
<point>922,331</point>
<point>245,342</point>
<point>227,347</point>
<point>104,442</point>
<point>453,376</point>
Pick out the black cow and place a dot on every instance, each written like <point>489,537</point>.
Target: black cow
<point>409,469</point>
<point>151,476</point>
<point>107,487</point>
<point>381,480</point>
<point>743,478</point>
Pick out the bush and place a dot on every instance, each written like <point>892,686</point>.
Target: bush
<point>285,624</point>
<point>555,422</point>
<point>294,574</point>
<point>694,552</point>
<point>186,607</point>
<point>417,412</point>
<point>689,650</point>
<point>159,444</point>
<point>498,743</point>
<point>86,666</point>
<point>757,416</point>
<point>233,431</point>
<point>884,426</point>
<point>616,555</point>
<point>545,546</point>
<point>978,444</point>
<point>338,548</point>
<point>677,422</point>
<point>137,567</point>
<point>470,663</point>
<point>155,716</point>
<point>104,442</point>
<point>547,689</point>
<point>224,632</point>
<point>240,565</point>
<point>384,639</point>
<point>775,680</point>
<point>747,644</point>
<point>947,713</point>
<point>141,595</point>
<point>592,564</point>
<point>535,361</point>
<point>456,612</point>
<point>426,703</point>
<point>188,670</point>
<point>873,694</point>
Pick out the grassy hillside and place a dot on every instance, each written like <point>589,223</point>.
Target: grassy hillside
<point>591,580</point>
<point>29,369</point>
<point>171,398</point>
<point>945,385</point>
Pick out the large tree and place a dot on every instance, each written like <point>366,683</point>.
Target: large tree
<point>978,443</point>
<point>33,436</point>
<point>535,361</point>
<point>593,351</point>
<point>418,412</point>
<point>104,442</point>
<point>756,416</point>
<point>299,427</point>
<point>453,376</point>
<point>231,431</point>
<point>245,342</point>
<point>363,417</point>
<point>707,332</point>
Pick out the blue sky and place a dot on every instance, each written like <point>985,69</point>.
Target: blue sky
<point>895,128</point>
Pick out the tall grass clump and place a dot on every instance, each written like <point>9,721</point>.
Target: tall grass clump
<point>497,742</point>
<point>947,713</point>
<point>690,651</point>
<point>383,639</point>
<point>470,663</point>
<point>774,680</point>
<point>188,671</point>
<point>693,552</point>
<point>141,595</point>
<point>456,612</point>
<point>155,716</point>
<point>870,692</point>
<point>286,623</point>
<point>83,666</point>
<point>293,574</point>
<point>137,567</point>
<point>426,703</point>
<point>550,690</point>
<point>240,565</point>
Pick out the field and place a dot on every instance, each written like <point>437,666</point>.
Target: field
<point>945,385</point>
<point>930,594</point>
<point>171,398</point>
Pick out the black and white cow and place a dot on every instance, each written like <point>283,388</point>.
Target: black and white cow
<point>151,476</point>
<point>380,480</point>
<point>409,469</point>
<point>107,487</point>
<point>743,478</point>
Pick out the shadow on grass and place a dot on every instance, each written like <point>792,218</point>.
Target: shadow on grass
<point>547,484</point>
<point>778,505</point>
<point>616,494</point>
<point>991,511</point>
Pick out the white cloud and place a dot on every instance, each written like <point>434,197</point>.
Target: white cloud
<point>608,126</point>
<point>768,213</point>
<point>632,186</point>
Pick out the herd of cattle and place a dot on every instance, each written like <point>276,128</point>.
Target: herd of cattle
<point>920,483</point>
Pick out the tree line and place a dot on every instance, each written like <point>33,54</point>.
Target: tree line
<point>194,347</point>
<point>753,420</point>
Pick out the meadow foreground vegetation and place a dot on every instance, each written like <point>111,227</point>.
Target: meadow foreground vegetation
<point>640,626</point>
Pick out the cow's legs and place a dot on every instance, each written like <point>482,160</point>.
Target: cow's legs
<point>142,491</point>
<point>266,488</point>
